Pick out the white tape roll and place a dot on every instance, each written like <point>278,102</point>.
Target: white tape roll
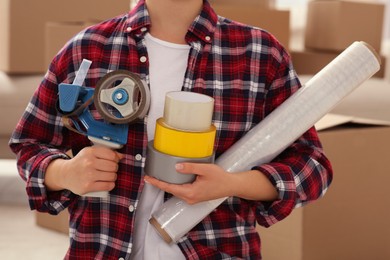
<point>277,131</point>
<point>188,111</point>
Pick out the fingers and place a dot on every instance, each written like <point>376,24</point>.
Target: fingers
<point>106,166</point>
<point>209,183</point>
<point>99,158</point>
<point>95,169</point>
<point>105,153</point>
<point>179,190</point>
<point>104,176</point>
<point>101,186</point>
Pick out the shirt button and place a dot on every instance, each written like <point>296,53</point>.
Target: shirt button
<point>144,29</point>
<point>208,38</point>
<point>121,258</point>
<point>131,208</point>
<point>128,29</point>
<point>138,157</point>
<point>143,59</point>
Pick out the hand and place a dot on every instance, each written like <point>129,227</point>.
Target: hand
<point>92,169</point>
<point>212,182</point>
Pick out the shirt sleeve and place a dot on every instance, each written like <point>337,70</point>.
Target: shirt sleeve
<point>302,173</point>
<point>38,139</point>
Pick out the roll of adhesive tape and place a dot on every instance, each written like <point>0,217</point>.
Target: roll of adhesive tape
<point>184,144</point>
<point>188,111</point>
<point>162,166</point>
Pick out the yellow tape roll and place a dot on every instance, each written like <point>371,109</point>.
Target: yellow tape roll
<point>183,144</point>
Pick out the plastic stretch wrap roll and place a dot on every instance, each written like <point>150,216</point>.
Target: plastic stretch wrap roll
<point>276,132</point>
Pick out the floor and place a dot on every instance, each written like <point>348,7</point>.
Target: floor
<point>20,237</point>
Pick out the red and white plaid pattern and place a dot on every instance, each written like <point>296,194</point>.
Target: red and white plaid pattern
<point>248,73</point>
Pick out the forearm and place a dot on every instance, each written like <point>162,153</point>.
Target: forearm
<point>253,185</point>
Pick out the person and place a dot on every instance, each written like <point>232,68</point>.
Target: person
<point>172,45</point>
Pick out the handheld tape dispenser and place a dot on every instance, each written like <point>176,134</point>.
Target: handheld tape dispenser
<point>120,97</point>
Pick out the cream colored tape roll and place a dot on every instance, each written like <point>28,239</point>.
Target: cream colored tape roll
<point>184,144</point>
<point>277,131</point>
<point>188,111</point>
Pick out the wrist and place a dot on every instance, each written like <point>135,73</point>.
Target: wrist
<point>54,176</point>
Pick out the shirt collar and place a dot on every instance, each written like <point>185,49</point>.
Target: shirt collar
<point>202,28</point>
<point>138,19</point>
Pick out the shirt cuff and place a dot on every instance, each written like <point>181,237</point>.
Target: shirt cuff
<point>269,213</point>
<point>40,198</point>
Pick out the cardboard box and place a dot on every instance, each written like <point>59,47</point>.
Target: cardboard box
<point>351,220</point>
<point>309,62</point>
<point>59,223</point>
<point>261,18</point>
<point>58,33</point>
<point>22,27</point>
<point>334,25</point>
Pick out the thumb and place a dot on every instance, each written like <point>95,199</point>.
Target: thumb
<point>119,155</point>
<point>191,168</point>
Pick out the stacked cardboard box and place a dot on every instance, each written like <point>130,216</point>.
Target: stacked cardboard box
<point>331,26</point>
<point>22,28</point>
<point>259,13</point>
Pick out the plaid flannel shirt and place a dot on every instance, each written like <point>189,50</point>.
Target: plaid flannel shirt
<point>244,69</point>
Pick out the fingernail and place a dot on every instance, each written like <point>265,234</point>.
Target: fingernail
<point>179,166</point>
<point>145,179</point>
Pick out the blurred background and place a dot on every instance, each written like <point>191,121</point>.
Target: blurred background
<point>350,222</point>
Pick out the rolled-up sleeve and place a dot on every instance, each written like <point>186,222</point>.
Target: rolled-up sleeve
<point>301,174</point>
<point>36,141</point>
<point>39,197</point>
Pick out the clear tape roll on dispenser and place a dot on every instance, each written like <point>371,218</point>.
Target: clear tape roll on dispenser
<point>276,132</point>
<point>120,97</point>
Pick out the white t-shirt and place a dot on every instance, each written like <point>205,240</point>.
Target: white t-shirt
<point>167,66</point>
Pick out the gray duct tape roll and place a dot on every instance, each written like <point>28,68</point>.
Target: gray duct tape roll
<point>162,166</point>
